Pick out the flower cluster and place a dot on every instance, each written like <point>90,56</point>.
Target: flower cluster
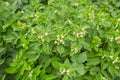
<point>117,67</point>
<point>118,39</point>
<point>111,39</point>
<point>91,15</point>
<point>33,30</point>
<point>79,34</point>
<point>30,74</point>
<point>59,39</point>
<point>42,37</point>
<point>74,49</point>
<point>65,71</point>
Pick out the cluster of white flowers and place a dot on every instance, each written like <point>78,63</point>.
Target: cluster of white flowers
<point>97,27</point>
<point>118,39</point>
<point>91,15</point>
<point>117,67</point>
<point>42,37</point>
<point>65,71</point>
<point>33,30</point>
<point>36,15</point>
<point>79,34</point>
<point>74,49</point>
<point>111,57</point>
<point>111,39</point>
<point>30,74</point>
<point>59,39</point>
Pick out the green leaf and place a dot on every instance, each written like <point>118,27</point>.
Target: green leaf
<point>65,77</point>
<point>2,61</point>
<point>50,77</point>
<point>46,48</point>
<point>60,49</point>
<point>37,70</point>
<point>67,62</point>
<point>82,57</point>
<point>94,70</point>
<point>104,65</point>
<point>2,77</point>
<point>13,69</point>
<point>80,69</point>
<point>55,63</point>
<point>2,51</point>
<point>9,38</point>
<point>93,61</point>
<point>112,70</point>
<point>79,58</point>
<point>32,57</point>
<point>71,37</point>
<point>86,45</point>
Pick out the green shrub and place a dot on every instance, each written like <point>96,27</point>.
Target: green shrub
<point>59,39</point>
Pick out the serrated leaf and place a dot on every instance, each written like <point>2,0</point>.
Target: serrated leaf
<point>55,63</point>
<point>93,61</point>
<point>80,69</point>
<point>37,70</point>
<point>104,65</point>
<point>86,45</point>
<point>60,49</point>
<point>46,48</point>
<point>112,70</point>
<point>94,70</point>
<point>82,57</point>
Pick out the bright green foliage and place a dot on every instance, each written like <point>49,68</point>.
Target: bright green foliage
<point>59,40</point>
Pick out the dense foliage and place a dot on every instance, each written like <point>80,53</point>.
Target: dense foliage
<point>59,39</point>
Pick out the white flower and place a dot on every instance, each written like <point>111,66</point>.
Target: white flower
<point>46,34</point>
<point>117,67</point>
<point>75,50</point>
<point>22,11</point>
<point>60,39</point>
<point>62,71</point>
<point>33,31</point>
<point>41,37</point>
<point>118,39</point>
<point>65,71</point>
<point>115,60</point>
<point>68,72</point>
<point>30,74</point>
<point>7,3</point>
<point>62,36</point>
<point>111,57</point>
<point>111,39</point>
<point>117,30</point>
